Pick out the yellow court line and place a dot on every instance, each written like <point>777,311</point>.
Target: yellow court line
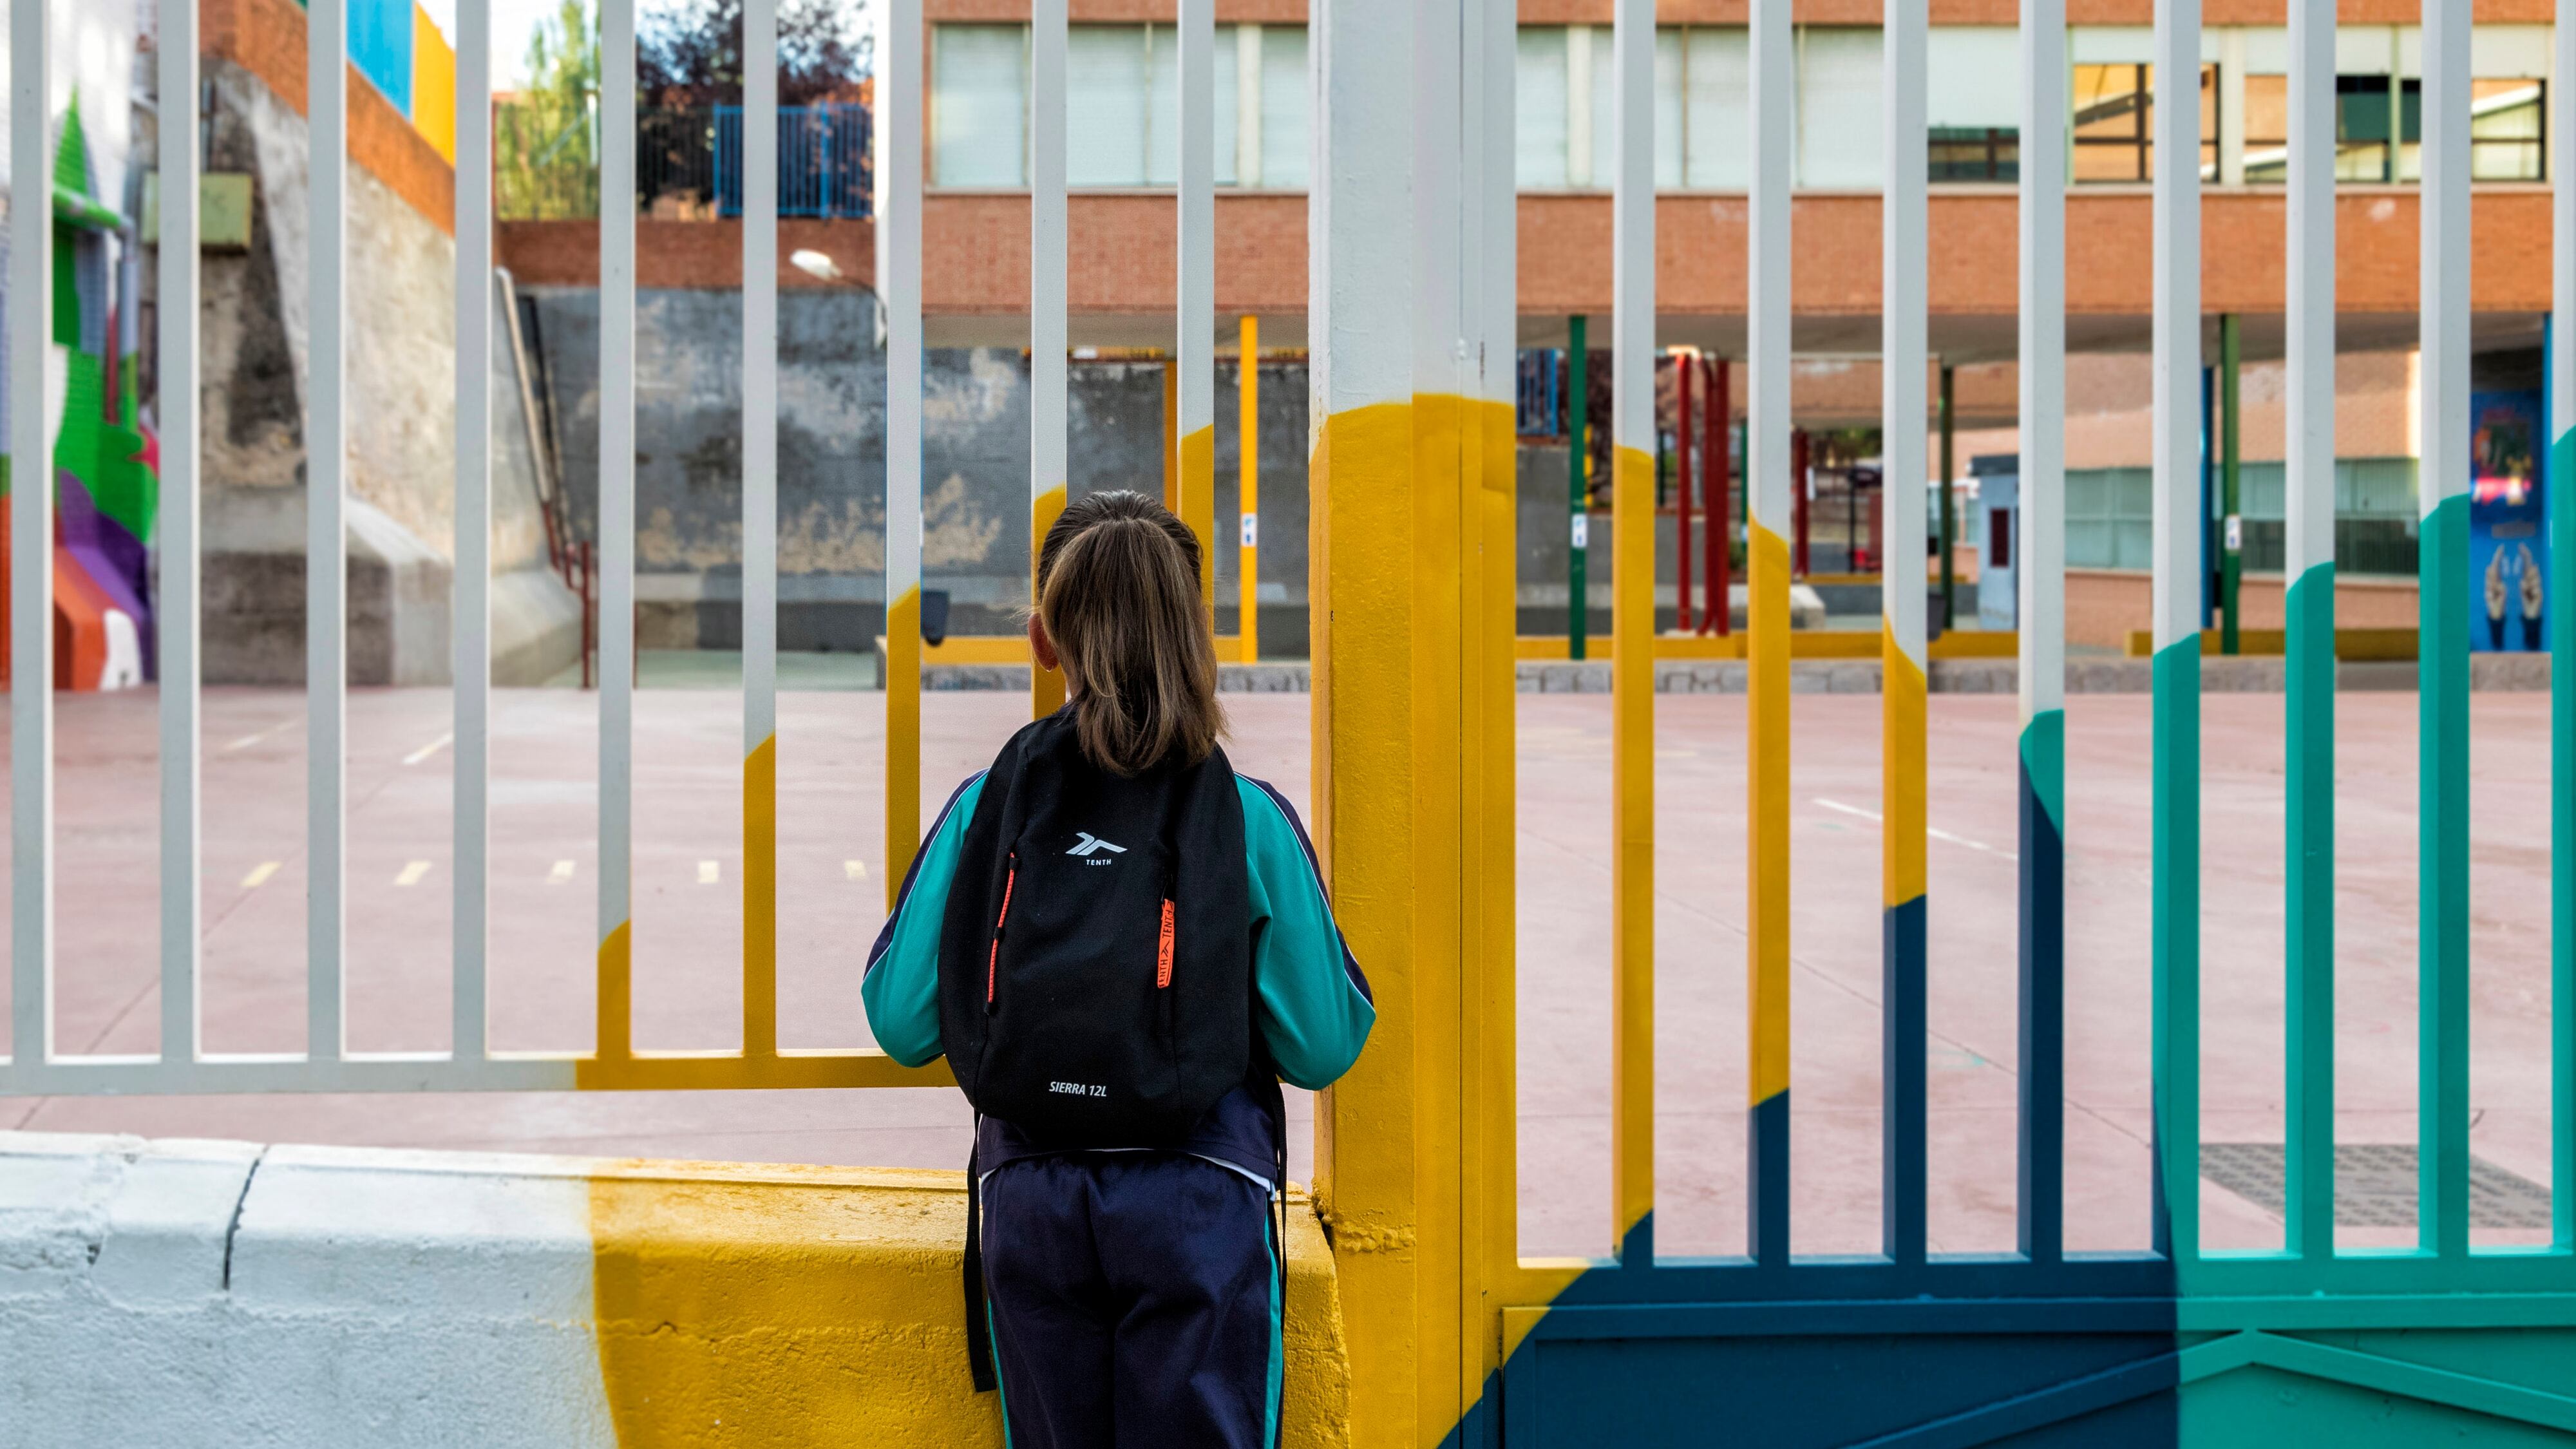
<point>412,873</point>
<point>259,874</point>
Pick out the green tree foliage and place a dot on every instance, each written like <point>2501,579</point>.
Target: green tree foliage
<point>545,140</point>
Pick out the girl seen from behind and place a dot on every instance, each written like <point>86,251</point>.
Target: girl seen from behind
<point>1122,947</point>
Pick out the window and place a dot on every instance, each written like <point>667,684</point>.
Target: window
<point>979,105</point>
<point>2362,108</point>
<point>1539,111</point>
<point>1122,86</point>
<point>1976,153</point>
<point>1973,103</point>
<point>1840,100</point>
<point>2267,128</point>
<point>2507,130</point>
<point>2115,122</point>
<point>1717,82</point>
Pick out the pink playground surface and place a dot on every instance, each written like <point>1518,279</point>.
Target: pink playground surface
<point>688,938</point>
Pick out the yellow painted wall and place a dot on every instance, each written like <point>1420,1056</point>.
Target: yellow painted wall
<point>780,1306</point>
<point>433,85</point>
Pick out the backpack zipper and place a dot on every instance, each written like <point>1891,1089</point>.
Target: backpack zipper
<point>993,959</point>
<point>1163,962</point>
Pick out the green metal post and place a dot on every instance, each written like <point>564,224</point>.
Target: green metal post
<point>2230,501</point>
<point>1578,460</point>
<point>1949,599</point>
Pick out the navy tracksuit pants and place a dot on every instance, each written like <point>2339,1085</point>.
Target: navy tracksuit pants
<point>1134,1301</point>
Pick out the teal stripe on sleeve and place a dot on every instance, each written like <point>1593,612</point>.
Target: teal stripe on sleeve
<point>1315,1009</point>
<point>902,986</point>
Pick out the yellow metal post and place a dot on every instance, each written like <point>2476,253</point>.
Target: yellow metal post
<point>1247,575</point>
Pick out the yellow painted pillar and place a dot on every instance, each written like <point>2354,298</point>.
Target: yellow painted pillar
<point>1247,573</point>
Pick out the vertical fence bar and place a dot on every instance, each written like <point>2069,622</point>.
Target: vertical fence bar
<point>177,631</point>
<point>1247,492</point>
<point>1048,39</point>
<point>2042,667</point>
<point>898,201</point>
<point>2561,478</point>
<point>1632,633</point>
<point>616,526</point>
<point>2442,1072</point>
<point>471,786</point>
<point>1767,512</point>
<point>1196,354</point>
<point>2180,531</point>
<point>1487,1059</point>
<point>1904,267</point>
<point>760,528</point>
<point>2308,559</point>
<point>31,551</point>
<point>1688,453</point>
<point>326,550</point>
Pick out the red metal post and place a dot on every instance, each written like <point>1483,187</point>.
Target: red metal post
<point>1683,366</point>
<point>1798,496</point>
<point>1721,505</point>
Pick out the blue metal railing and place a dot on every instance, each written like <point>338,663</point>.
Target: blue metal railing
<point>825,164</point>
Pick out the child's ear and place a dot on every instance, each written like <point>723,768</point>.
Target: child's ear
<point>1041,648</point>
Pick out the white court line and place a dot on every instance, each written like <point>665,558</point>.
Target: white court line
<point>561,873</point>
<point>855,869</point>
<point>427,750</point>
<point>709,873</point>
<point>246,741</point>
<point>1936,834</point>
<point>412,873</point>
<point>259,875</point>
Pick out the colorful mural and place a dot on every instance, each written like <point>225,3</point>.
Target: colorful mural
<point>106,466</point>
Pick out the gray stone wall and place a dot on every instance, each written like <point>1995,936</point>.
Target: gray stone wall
<point>831,457</point>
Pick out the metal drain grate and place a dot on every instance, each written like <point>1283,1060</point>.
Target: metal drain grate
<point>2375,1184</point>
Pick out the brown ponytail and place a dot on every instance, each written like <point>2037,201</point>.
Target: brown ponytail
<point>1118,594</point>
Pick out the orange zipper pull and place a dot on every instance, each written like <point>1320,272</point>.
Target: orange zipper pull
<point>1163,965</point>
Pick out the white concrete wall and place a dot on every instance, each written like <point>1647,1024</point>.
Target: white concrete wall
<point>218,1294</point>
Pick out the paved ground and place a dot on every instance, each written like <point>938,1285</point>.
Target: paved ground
<point>687,938</point>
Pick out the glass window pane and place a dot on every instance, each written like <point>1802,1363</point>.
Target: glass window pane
<point>1539,109</point>
<point>1605,110</point>
<point>1105,106</point>
<point>2110,102</point>
<point>1226,71</point>
<point>1283,106</point>
<point>1720,76</point>
<point>979,105</point>
<point>1839,104</point>
<point>2089,545</point>
<point>1668,108</point>
<point>1162,106</point>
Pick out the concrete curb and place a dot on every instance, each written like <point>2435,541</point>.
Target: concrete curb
<point>2500,673</point>
<point>224,1293</point>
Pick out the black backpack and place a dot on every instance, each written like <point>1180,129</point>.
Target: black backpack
<point>1095,964</point>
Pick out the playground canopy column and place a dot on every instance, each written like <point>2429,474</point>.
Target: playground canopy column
<point>1632,501</point>
<point>1048,40</point>
<point>1767,509</point>
<point>2041,578</point>
<point>1578,480</point>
